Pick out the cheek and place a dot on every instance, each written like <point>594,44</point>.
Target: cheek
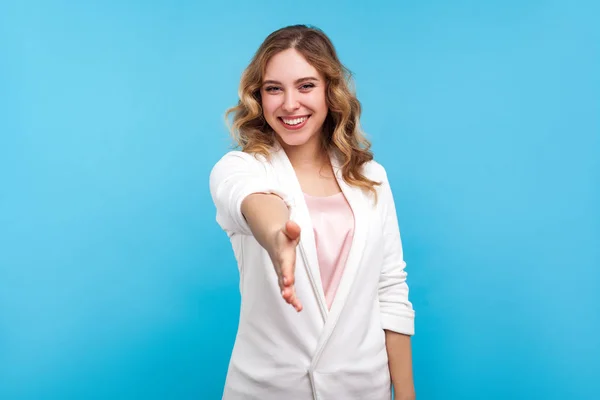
<point>269,105</point>
<point>320,102</point>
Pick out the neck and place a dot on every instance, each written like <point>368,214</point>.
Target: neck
<point>308,155</point>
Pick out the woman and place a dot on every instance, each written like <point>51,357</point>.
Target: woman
<point>311,218</point>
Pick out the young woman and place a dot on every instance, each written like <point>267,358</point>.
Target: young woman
<point>311,218</point>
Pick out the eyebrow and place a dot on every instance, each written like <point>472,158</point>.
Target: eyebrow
<point>297,81</point>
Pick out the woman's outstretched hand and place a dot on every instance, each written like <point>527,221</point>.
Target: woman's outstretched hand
<point>269,219</point>
<point>283,256</point>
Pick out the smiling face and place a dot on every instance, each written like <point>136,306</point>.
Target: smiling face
<point>293,99</point>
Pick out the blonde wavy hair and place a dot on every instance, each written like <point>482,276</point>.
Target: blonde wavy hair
<point>341,131</point>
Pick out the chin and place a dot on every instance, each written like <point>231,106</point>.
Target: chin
<point>294,139</point>
<point>300,137</point>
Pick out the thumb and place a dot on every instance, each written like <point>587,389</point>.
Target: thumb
<point>291,230</point>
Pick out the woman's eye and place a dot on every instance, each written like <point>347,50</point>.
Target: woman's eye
<point>307,86</point>
<point>271,88</point>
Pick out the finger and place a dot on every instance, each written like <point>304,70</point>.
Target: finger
<point>288,279</point>
<point>291,298</point>
<point>297,304</point>
<point>288,294</point>
<point>287,273</point>
<point>279,278</point>
<point>291,230</point>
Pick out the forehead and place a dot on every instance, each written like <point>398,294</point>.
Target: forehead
<point>287,66</point>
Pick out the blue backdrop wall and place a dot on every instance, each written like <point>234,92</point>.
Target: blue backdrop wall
<point>115,280</point>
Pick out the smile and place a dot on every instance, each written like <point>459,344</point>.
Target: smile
<point>295,122</point>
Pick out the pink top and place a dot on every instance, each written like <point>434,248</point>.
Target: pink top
<point>333,225</point>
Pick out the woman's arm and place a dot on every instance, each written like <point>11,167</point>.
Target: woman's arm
<point>400,363</point>
<point>396,310</point>
<point>265,214</point>
<point>249,203</point>
<point>268,217</point>
<point>397,313</point>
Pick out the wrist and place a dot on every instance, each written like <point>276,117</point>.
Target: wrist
<point>404,393</point>
<point>404,390</point>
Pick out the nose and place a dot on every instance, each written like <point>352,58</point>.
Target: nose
<point>290,102</point>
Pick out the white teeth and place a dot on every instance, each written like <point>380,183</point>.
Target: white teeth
<point>294,121</point>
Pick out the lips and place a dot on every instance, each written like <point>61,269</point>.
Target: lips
<point>294,123</point>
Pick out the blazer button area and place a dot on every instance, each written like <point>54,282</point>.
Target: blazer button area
<point>310,372</point>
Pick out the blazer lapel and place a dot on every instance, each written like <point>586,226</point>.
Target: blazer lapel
<point>307,249</point>
<point>359,204</point>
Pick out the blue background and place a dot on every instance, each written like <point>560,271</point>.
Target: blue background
<point>115,280</point>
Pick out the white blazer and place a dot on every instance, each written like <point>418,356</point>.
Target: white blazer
<point>317,353</point>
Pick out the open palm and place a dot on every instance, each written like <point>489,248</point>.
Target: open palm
<point>283,257</point>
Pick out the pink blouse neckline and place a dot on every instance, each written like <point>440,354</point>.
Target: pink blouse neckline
<point>333,226</point>
<point>323,197</point>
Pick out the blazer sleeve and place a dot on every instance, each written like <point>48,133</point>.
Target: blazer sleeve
<point>235,176</point>
<point>396,309</point>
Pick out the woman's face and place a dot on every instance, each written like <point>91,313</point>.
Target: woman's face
<point>293,99</point>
